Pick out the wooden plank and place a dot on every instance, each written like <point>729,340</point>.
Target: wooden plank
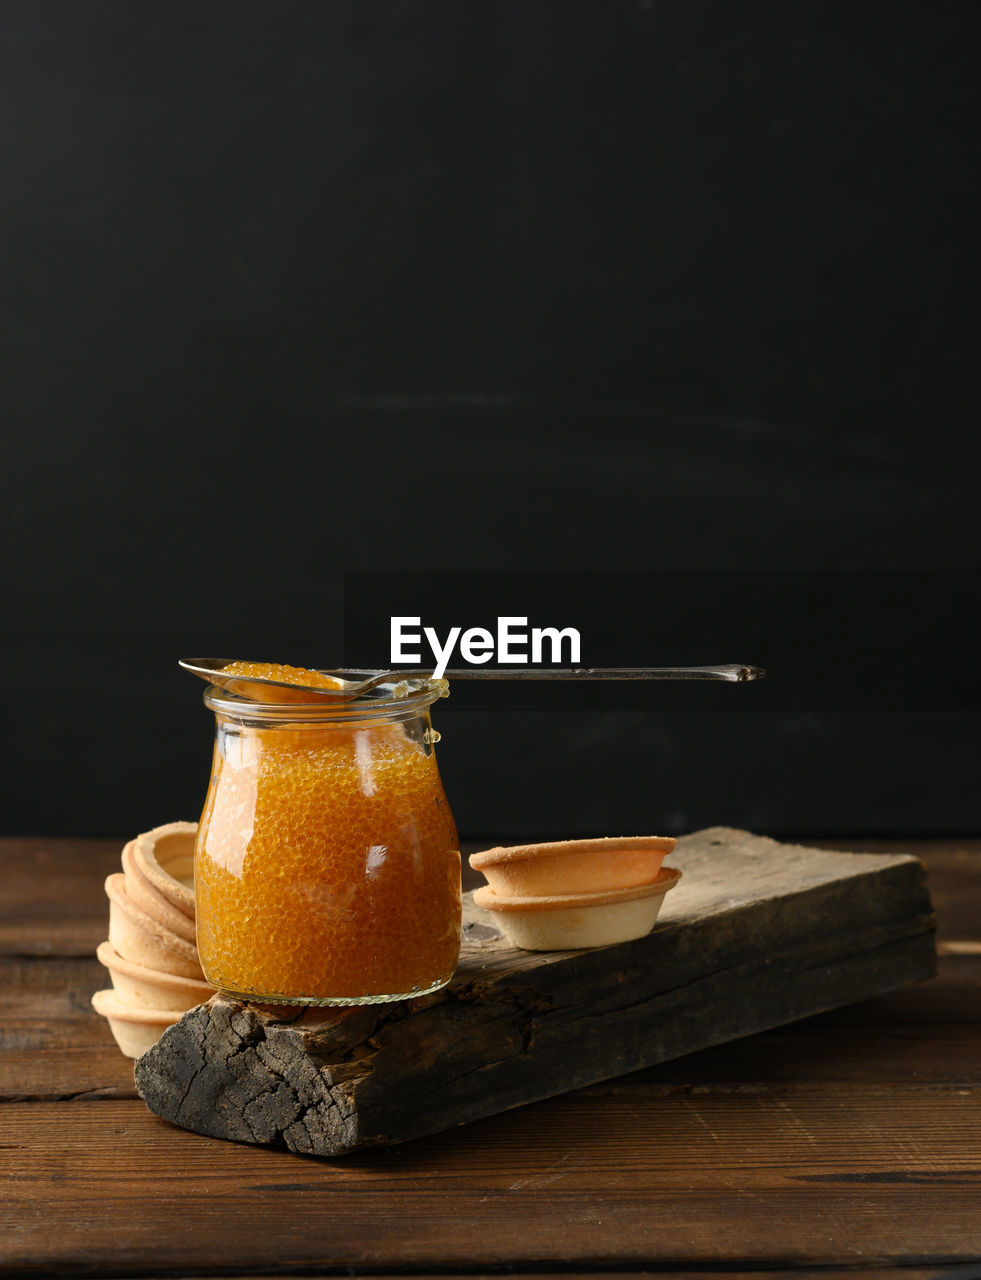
<point>757,935</point>
<point>647,1270</point>
<point>954,872</point>
<point>98,1185</point>
<point>662,1272</point>
<point>52,1045</point>
<point>878,1043</point>
<point>52,902</point>
<point>841,1178</point>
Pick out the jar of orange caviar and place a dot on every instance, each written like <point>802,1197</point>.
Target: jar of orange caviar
<point>327,865</point>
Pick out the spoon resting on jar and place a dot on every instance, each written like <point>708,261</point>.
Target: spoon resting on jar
<point>265,681</point>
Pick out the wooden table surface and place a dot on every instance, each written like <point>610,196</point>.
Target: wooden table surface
<point>850,1141</point>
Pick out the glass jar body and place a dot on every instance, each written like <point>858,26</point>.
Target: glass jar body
<point>327,865</point>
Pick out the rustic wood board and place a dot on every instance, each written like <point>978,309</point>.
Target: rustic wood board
<point>846,1144</point>
<point>756,935</point>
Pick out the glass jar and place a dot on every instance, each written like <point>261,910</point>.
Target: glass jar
<point>327,864</point>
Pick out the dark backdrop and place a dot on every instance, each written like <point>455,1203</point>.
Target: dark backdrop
<point>294,289</point>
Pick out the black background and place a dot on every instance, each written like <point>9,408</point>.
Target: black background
<point>297,289</point>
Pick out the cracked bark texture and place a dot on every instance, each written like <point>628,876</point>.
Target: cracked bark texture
<point>756,934</point>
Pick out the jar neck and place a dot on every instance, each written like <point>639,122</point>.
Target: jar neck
<point>389,704</point>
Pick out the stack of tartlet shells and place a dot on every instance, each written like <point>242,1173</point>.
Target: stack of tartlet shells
<point>151,952</point>
<point>569,894</point>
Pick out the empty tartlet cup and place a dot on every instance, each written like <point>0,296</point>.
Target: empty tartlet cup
<point>145,988</point>
<point>138,937</point>
<point>148,898</point>
<point>165,857</point>
<point>573,866</point>
<point>570,922</point>
<point>134,1029</point>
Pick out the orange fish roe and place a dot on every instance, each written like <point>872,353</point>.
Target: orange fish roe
<point>327,867</point>
<point>302,676</point>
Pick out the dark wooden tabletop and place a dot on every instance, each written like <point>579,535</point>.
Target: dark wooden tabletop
<point>850,1141</point>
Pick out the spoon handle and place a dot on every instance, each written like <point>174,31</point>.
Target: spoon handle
<point>730,671</point>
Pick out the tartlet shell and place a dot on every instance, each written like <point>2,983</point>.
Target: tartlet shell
<point>573,866</point>
<point>134,1030</point>
<point>137,937</point>
<point>564,922</point>
<point>143,988</point>
<point>165,856</point>
<point>147,897</point>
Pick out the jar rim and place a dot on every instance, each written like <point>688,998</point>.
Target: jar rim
<point>382,703</point>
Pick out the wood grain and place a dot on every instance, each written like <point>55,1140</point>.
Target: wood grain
<point>763,1180</point>
<point>846,1143</point>
<point>53,902</point>
<point>52,1044</point>
<point>54,1048</point>
<point>670,1273</point>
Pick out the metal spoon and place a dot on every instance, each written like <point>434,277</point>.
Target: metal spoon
<point>211,669</point>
